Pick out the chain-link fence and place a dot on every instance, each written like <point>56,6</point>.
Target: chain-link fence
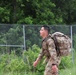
<point>21,37</point>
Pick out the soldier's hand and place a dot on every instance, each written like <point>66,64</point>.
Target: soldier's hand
<point>35,63</point>
<point>54,69</point>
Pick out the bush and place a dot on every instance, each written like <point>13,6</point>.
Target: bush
<point>66,62</point>
<point>11,63</point>
<point>14,64</point>
<point>30,56</point>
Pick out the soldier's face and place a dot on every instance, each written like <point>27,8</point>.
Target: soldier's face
<point>42,32</point>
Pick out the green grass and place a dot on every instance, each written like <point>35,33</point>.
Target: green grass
<point>62,72</point>
<point>16,73</point>
<point>71,71</point>
<point>67,71</point>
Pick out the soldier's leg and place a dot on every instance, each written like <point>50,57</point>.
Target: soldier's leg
<point>48,69</point>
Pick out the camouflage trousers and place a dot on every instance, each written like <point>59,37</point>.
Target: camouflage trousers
<point>48,69</point>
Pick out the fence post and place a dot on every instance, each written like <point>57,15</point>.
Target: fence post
<point>24,37</point>
<point>72,43</point>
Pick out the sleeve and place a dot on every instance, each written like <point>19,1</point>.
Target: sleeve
<point>41,54</point>
<point>52,51</point>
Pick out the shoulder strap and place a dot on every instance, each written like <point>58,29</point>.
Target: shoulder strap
<point>56,45</point>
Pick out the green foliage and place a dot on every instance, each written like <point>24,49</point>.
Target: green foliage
<point>66,62</point>
<point>4,14</point>
<point>65,9</point>
<point>74,41</point>
<point>38,12</point>
<point>27,20</point>
<point>30,56</point>
<point>16,65</point>
<point>11,64</point>
<point>24,63</point>
<point>70,71</point>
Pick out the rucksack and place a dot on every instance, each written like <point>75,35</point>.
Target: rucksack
<point>62,43</point>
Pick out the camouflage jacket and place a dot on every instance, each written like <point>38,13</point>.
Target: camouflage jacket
<point>48,50</point>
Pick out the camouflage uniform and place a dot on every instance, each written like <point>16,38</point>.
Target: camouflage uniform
<point>48,50</point>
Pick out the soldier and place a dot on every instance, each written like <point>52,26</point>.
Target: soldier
<point>48,49</point>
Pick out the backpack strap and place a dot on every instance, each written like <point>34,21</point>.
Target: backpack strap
<point>56,45</point>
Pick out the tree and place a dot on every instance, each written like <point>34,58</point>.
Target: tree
<point>67,9</point>
<point>28,12</point>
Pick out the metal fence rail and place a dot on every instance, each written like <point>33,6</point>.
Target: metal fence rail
<point>12,45</point>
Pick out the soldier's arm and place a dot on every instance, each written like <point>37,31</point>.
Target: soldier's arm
<point>52,51</point>
<point>41,54</point>
<point>39,58</point>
